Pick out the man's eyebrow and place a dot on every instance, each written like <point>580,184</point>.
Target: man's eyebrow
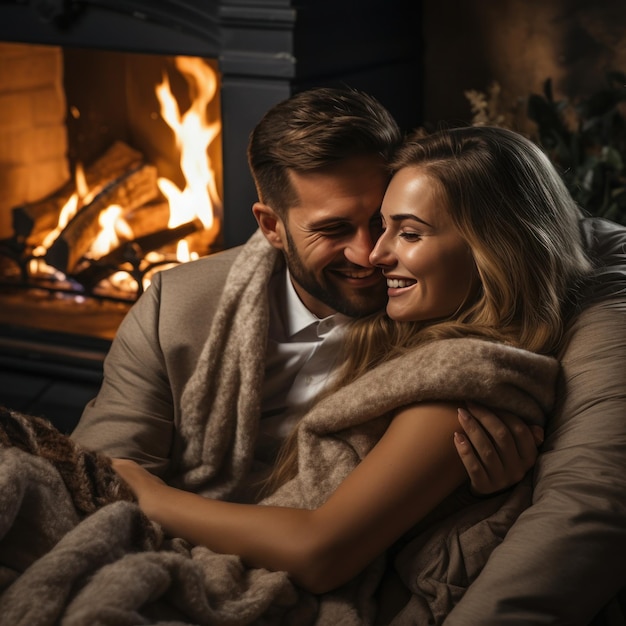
<point>328,221</point>
<point>399,217</point>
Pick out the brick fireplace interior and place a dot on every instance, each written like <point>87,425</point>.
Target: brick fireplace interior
<point>77,96</point>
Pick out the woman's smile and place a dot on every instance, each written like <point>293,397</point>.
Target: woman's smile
<point>426,262</point>
<point>397,285</point>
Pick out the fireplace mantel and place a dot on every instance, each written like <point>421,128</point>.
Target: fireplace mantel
<point>138,26</point>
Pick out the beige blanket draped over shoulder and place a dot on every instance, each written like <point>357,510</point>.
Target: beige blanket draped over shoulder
<point>64,561</point>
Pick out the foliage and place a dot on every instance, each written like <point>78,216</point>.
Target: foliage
<point>585,139</point>
<point>486,107</point>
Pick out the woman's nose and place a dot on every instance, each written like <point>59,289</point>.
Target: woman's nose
<point>380,255</point>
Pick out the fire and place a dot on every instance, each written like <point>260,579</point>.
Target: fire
<point>114,228</point>
<point>81,197</point>
<point>193,133</point>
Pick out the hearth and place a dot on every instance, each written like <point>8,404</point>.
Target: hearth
<point>261,51</point>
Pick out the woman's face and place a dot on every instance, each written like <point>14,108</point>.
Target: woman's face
<point>429,268</point>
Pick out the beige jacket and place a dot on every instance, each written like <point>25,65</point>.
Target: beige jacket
<point>137,412</point>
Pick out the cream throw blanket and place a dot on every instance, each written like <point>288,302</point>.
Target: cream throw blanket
<point>104,563</point>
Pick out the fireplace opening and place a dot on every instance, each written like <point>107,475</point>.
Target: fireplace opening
<point>123,178</point>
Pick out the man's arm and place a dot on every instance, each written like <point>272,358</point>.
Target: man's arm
<point>564,558</point>
<point>155,352</point>
<point>132,415</point>
<point>496,450</point>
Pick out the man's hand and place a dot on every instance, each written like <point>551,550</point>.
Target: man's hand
<point>497,450</point>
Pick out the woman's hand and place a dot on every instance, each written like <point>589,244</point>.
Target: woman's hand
<point>143,484</point>
<point>496,450</point>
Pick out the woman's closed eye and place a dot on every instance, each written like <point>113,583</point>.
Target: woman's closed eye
<point>410,235</point>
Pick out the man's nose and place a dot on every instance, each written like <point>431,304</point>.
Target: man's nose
<point>360,247</point>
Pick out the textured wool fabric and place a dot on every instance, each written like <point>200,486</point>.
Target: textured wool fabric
<point>113,566</point>
<point>221,402</point>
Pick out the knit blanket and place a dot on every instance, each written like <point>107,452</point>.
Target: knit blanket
<point>76,549</point>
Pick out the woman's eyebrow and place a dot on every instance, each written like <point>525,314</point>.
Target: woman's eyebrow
<point>398,217</point>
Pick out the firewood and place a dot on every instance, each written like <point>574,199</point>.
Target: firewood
<point>148,218</point>
<point>135,188</point>
<point>34,220</point>
<point>132,252</point>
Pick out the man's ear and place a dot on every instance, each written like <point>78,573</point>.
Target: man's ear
<point>270,224</point>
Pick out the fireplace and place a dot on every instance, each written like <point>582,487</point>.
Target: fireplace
<point>52,343</point>
<point>113,173</point>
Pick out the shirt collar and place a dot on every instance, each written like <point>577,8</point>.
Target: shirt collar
<point>298,317</point>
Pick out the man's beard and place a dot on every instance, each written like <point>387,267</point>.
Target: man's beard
<point>350,302</point>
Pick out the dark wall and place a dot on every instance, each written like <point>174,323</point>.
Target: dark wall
<point>519,43</point>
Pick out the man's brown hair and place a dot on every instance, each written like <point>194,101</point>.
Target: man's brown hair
<point>314,130</point>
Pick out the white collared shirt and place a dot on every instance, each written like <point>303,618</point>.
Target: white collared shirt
<point>300,360</point>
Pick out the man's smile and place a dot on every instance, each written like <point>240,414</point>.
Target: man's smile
<point>361,276</point>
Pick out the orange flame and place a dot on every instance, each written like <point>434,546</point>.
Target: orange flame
<point>70,208</point>
<point>194,133</point>
<point>113,227</point>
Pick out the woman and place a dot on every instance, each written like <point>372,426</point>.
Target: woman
<point>480,240</point>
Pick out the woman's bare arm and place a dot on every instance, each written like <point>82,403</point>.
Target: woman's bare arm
<point>411,469</point>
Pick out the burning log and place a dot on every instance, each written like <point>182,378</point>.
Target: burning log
<point>148,218</point>
<point>155,216</point>
<point>36,219</point>
<point>134,188</point>
<point>133,252</point>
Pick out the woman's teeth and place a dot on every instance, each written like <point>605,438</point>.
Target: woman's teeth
<point>398,283</point>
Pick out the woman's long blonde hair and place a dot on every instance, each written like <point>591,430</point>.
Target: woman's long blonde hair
<point>522,226</point>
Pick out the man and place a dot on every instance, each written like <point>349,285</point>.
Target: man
<point>319,164</point>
